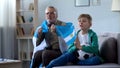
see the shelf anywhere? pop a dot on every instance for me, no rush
(25, 60)
(26, 17)
(8, 60)
(19, 11)
(26, 23)
(25, 37)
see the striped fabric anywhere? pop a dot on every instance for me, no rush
(67, 32)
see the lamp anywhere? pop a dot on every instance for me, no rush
(115, 5)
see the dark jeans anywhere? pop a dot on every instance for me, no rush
(70, 57)
(44, 57)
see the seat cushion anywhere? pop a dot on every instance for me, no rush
(108, 50)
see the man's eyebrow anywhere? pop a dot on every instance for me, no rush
(51, 12)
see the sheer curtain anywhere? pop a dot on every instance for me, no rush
(8, 45)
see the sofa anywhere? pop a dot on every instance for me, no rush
(109, 46)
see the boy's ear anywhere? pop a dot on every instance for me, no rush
(90, 24)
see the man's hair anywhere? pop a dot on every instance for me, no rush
(85, 16)
(53, 8)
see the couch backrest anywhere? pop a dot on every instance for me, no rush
(108, 46)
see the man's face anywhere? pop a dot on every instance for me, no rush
(50, 14)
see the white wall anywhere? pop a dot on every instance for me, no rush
(7, 28)
(104, 20)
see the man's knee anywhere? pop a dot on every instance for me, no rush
(45, 54)
(46, 57)
(38, 55)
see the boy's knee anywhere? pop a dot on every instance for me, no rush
(95, 60)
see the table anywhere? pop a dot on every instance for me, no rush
(7, 63)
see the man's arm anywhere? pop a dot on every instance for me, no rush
(60, 23)
(41, 36)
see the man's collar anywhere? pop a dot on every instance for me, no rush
(52, 22)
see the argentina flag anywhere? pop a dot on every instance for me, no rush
(67, 32)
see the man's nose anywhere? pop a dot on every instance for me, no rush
(81, 23)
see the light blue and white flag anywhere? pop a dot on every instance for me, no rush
(43, 43)
(67, 32)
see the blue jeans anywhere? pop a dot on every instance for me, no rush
(70, 57)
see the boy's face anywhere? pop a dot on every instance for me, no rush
(84, 23)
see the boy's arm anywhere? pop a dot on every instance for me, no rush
(93, 48)
(77, 44)
(74, 46)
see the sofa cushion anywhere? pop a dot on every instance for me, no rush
(106, 65)
(108, 50)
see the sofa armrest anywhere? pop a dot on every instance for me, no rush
(104, 36)
(118, 43)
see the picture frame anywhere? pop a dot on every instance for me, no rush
(82, 3)
(96, 2)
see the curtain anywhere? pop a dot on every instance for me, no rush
(8, 47)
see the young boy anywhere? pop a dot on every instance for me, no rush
(84, 51)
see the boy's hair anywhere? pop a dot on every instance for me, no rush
(86, 16)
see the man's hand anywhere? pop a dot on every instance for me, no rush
(39, 30)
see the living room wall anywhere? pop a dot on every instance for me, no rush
(104, 20)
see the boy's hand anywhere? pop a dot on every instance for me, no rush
(77, 44)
